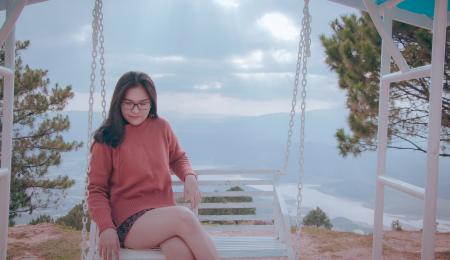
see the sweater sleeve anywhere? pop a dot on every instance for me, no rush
(100, 169)
(178, 160)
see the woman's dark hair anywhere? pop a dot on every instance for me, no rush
(112, 130)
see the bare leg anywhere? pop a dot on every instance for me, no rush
(158, 225)
(176, 249)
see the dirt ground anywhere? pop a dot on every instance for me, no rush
(48, 241)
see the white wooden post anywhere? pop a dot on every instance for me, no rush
(13, 10)
(386, 35)
(434, 127)
(383, 120)
(4, 210)
(7, 125)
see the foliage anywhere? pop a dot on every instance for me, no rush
(42, 219)
(353, 52)
(74, 218)
(37, 139)
(317, 218)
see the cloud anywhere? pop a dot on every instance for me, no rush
(208, 86)
(189, 103)
(257, 59)
(327, 84)
(216, 104)
(253, 60)
(156, 66)
(265, 76)
(283, 56)
(171, 58)
(161, 75)
(142, 58)
(80, 102)
(83, 35)
(228, 4)
(279, 26)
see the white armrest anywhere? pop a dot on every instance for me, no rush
(93, 239)
(283, 217)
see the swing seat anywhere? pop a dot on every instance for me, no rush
(259, 195)
(228, 247)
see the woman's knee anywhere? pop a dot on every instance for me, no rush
(188, 220)
(176, 248)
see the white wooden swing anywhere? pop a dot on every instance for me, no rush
(214, 183)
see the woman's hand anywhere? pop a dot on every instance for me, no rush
(109, 244)
(191, 191)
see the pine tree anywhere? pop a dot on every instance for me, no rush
(353, 52)
(317, 218)
(37, 139)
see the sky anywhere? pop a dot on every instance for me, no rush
(207, 57)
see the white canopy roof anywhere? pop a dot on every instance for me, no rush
(397, 13)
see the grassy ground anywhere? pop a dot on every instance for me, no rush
(332, 241)
(50, 241)
(67, 248)
(60, 243)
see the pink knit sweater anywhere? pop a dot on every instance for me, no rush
(136, 174)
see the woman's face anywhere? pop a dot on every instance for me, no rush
(135, 105)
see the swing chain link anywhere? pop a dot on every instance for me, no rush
(102, 59)
(95, 30)
(293, 103)
(301, 45)
(306, 53)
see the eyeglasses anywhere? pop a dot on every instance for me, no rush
(141, 106)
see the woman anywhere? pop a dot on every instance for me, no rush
(130, 195)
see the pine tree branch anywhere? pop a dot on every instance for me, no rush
(37, 165)
(406, 89)
(410, 148)
(48, 148)
(46, 133)
(410, 142)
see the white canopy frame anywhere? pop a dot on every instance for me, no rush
(7, 37)
(382, 17)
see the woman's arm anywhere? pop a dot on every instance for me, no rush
(179, 163)
(178, 160)
(100, 169)
(191, 191)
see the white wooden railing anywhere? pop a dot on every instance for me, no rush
(4, 210)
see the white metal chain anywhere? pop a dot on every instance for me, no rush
(102, 58)
(306, 53)
(294, 101)
(95, 29)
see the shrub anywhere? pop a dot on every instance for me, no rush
(317, 218)
(74, 218)
(41, 219)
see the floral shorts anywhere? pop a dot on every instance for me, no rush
(125, 227)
